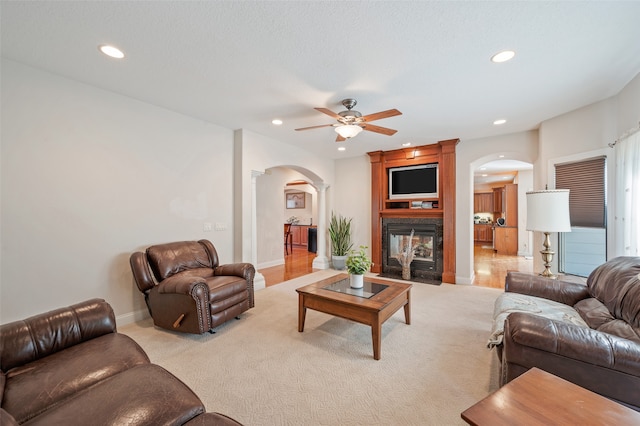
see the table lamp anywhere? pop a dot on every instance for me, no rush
(548, 211)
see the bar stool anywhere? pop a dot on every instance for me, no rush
(288, 238)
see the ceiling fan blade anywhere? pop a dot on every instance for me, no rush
(382, 114)
(340, 139)
(315, 127)
(329, 113)
(378, 129)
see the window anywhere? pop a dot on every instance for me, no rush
(585, 247)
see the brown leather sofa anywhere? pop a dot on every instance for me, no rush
(70, 367)
(602, 354)
(186, 289)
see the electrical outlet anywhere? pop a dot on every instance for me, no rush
(207, 227)
(221, 226)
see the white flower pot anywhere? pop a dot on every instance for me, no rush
(356, 281)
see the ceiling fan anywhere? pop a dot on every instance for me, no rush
(351, 122)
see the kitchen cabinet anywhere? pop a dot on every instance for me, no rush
(506, 240)
(498, 197)
(482, 202)
(511, 204)
(295, 235)
(300, 235)
(505, 203)
(483, 233)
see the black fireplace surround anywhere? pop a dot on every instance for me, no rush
(427, 265)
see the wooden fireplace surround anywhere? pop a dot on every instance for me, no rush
(444, 207)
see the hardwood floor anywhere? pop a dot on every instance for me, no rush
(296, 264)
(490, 268)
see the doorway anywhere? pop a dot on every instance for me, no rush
(490, 266)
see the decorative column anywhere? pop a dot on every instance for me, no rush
(448, 182)
(321, 261)
(258, 280)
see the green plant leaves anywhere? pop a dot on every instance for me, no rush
(340, 233)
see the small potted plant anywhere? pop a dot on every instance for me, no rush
(358, 263)
(340, 233)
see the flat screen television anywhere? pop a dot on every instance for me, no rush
(413, 181)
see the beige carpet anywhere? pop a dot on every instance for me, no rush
(261, 371)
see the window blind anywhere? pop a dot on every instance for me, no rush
(586, 181)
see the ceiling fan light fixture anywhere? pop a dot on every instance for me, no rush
(348, 130)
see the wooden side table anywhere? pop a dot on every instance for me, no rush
(540, 398)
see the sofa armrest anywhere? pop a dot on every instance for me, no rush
(44, 334)
(185, 284)
(573, 341)
(181, 302)
(141, 272)
(244, 270)
(560, 291)
(601, 362)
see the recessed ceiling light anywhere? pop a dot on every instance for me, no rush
(406, 144)
(501, 156)
(499, 122)
(342, 148)
(503, 56)
(484, 175)
(276, 121)
(111, 51)
(483, 168)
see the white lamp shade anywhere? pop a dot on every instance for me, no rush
(548, 211)
(348, 130)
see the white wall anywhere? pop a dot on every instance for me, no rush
(352, 197)
(471, 154)
(628, 106)
(88, 177)
(585, 133)
(525, 238)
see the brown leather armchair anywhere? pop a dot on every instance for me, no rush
(70, 366)
(187, 290)
(599, 349)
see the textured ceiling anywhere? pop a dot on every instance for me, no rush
(240, 64)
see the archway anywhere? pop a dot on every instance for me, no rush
(491, 174)
(309, 208)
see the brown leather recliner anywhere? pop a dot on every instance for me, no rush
(598, 350)
(187, 290)
(70, 366)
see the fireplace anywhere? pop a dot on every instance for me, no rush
(427, 237)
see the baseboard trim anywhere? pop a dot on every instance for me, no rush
(465, 280)
(132, 317)
(271, 263)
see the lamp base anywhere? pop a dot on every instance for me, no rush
(547, 257)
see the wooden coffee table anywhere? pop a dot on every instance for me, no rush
(540, 398)
(372, 306)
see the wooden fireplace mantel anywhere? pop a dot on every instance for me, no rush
(443, 153)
